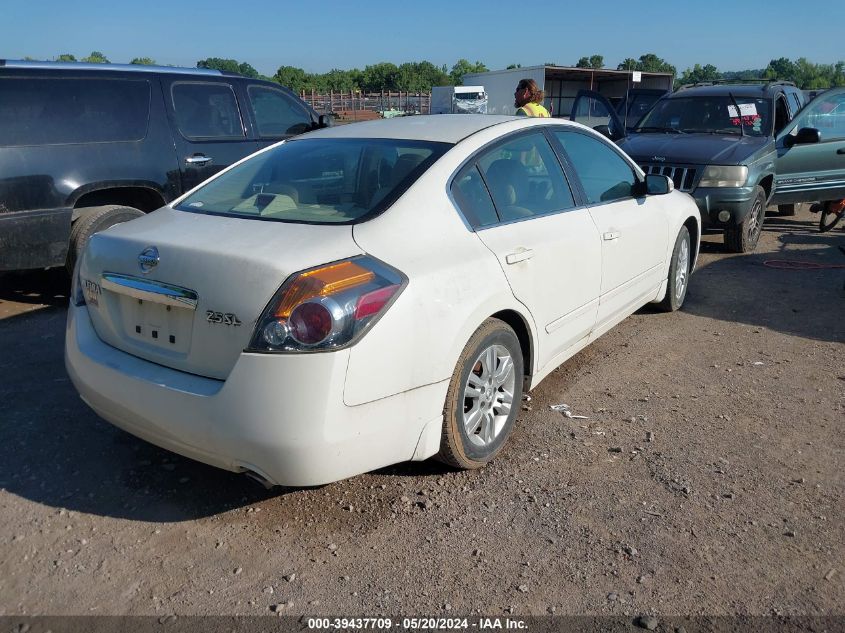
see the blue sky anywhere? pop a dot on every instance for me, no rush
(326, 34)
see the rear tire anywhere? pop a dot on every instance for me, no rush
(91, 221)
(743, 237)
(680, 269)
(484, 396)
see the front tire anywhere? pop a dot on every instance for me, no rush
(483, 398)
(743, 237)
(93, 220)
(680, 269)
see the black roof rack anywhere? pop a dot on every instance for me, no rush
(739, 82)
(139, 68)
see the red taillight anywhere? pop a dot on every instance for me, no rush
(374, 301)
(310, 323)
(328, 307)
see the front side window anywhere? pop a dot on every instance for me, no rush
(207, 111)
(604, 174)
(317, 181)
(276, 114)
(709, 115)
(525, 179)
(826, 113)
(50, 111)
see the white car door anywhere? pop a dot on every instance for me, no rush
(634, 230)
(548, 247)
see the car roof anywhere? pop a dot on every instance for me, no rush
(89, 66)
(723, 90)
(441, 128)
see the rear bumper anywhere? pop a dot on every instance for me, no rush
(711, 202)
(34, 239)
(281, 416)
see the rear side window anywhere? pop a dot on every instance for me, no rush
(277, 114)
(525, 178)
(207, 111)
(604, 174)
(472, 198)
(52, 111)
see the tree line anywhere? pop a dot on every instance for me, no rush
(421, 76)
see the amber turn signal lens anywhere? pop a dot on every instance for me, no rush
(322, 282)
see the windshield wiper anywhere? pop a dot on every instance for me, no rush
(715, 132)
(738, 114)
(665, 130)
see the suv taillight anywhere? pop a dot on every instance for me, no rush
(328, 307)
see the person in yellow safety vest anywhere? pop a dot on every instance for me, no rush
(528, 99)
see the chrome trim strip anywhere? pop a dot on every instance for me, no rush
(147, 290)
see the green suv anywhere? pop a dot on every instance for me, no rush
(737, 148)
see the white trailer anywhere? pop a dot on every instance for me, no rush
(458, 100)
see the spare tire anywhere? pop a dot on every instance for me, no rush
(93, 220)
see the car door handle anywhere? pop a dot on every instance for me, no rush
(841, 150)
(611, 235)
(520, 255)
(198, 159)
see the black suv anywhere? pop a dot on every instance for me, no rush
(85, 146)
(737, 148)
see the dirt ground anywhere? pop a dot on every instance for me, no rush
(708, 479)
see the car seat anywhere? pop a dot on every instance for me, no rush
(509, 186)
(403, 167)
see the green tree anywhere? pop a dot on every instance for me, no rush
(143, 61)
(294, 78)
(512, 66)
(697, 73)
(420, 77)
(96, 57)
(593, 61)
(341, 80)
(742, 74)
(228, 65)
(463, 67)
(648, 63)
(782, 68)
(654, 64)
(381, 76)
(66, 57)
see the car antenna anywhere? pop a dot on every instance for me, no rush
(738, 114)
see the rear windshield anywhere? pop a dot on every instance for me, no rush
(709, 114)
(51, 111)
(317, 181)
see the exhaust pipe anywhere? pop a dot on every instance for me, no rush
(258, 478)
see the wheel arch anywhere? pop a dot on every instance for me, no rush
(526, 343)
(143, 197)
(767, 182)
(695, 239)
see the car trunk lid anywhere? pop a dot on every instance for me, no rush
(185, 290)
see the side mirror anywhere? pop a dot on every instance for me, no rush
(658, 185)
(805, 136)
(326, 120)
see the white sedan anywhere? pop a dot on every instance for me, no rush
(372, 293)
